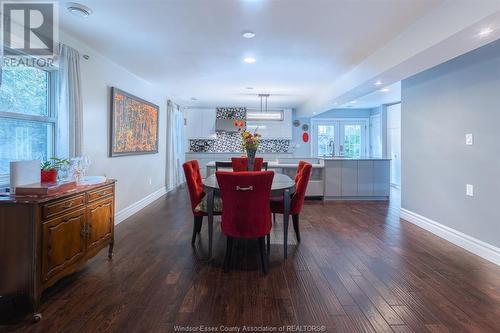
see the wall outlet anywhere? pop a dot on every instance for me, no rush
(469, 190)
(469, 140)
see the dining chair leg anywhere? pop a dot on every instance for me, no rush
(210, 237)
(263, 256)
(210, 211)
(295, 219)
(268, 238)
(196, 227)
(274, 218)
(229, 250)
(286, 215)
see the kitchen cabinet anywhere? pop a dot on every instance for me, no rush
(349, 178)
(357, 178)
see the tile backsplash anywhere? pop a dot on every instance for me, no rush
(225, 141)
(230, 142)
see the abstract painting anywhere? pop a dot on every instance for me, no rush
(134, 125)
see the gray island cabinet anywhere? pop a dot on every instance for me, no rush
(357, 178)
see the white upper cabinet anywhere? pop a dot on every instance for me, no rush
(273, 128)
(200, 123)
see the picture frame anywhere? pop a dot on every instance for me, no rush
(134, 125)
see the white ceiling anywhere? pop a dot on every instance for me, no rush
(383, 95)
(194, 48)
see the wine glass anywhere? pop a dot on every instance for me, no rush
(85, 164)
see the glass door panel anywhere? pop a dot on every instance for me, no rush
(339, 138)
(326, 140)
(351, 140)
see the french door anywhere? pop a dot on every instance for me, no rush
(339, 137)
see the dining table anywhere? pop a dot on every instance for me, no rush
(282, 186)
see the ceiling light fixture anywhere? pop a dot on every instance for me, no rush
(249, 60)
(262, 96)
(353, 102)
(385, 89)
(485, 32)
(78, 9)
(248, 34)
(378, 83)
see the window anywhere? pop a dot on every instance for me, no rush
(332, 137)
(326, 140)
(27, 116)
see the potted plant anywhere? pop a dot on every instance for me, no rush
(250, 143)
(51, 167)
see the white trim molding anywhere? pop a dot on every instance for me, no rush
(471, 244)
(139, 205)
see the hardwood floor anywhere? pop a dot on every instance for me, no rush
(357, 269)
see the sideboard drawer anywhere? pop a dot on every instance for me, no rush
(100, 193)
(60, 207)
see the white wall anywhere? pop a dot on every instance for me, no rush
(439, 107)
(132, 172)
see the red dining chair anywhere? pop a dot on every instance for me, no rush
(301, 181)
(241, 164)
(195, 188)
(245, 196)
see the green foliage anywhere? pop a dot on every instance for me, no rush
(24, 90)
(55, 163)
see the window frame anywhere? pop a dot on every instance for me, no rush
(338, 124)
(50, 118)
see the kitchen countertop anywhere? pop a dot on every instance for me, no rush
(233, 152)
(345, 158)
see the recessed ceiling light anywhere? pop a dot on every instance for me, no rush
(249, 60)
(385, 89)
(248, 34)
(378, 83)
(353, 102)
(485, 32)
(314, 112)
(78, 9)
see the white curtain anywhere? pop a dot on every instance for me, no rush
(175, 156)
(70, 111)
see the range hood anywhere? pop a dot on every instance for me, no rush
(229, 125)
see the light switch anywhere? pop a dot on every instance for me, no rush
(469, 140)
(469, 190)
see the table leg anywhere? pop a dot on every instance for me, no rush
(286, 213)
(210, 212)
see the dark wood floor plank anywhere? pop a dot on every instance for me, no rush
(359, 268)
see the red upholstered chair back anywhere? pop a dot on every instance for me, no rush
(241, 164)
(245, 196)
(194, 183)
(301, 181)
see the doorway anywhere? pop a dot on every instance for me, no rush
(394, 142)
(333, 137)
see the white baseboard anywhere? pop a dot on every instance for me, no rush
(471, 244)
(138, 205)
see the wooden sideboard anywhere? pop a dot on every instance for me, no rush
(44, 238)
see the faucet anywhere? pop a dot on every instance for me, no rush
(331, 147)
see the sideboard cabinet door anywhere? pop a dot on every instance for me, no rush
(63, 243)
(100, 223)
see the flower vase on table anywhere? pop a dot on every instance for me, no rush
(251, 158)
(250, 143)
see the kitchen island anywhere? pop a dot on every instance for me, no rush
(336, 178)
